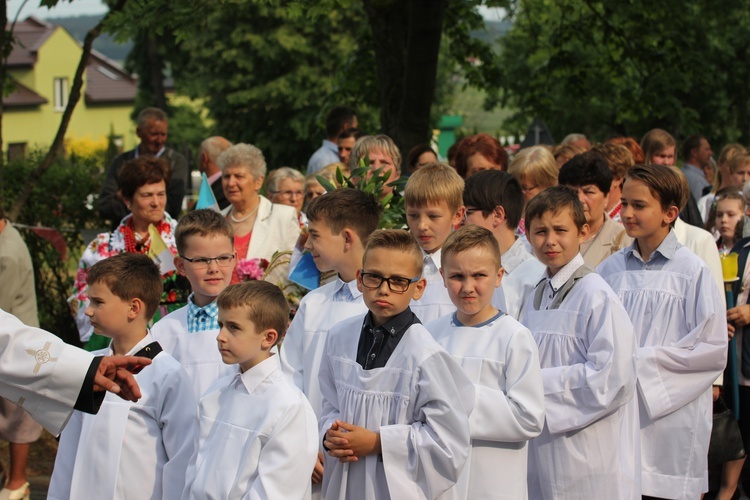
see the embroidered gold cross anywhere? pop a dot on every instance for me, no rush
(41, 356)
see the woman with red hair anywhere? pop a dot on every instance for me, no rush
(480, 152)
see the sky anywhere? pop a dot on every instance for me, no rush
(64, 8)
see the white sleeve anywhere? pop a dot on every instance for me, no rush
(65, 460)
(425, 458)
(671, 376)
(39, 372)
(330, 410)
(178, 426)
(516, 414)
(577, 395)
(291, 355)
(287, 459)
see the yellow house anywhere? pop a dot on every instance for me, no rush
(42, 66)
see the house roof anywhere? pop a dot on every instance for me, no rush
(106, 81)
(23, 96)
(31, 34)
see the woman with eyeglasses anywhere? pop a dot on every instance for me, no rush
(286, 186)
(142, 184)
(535, 170)
(261, 228)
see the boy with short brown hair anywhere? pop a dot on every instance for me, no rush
(258, 435)
(395, 404)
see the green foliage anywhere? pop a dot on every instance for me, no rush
(605, 67)
(394, 214)
(186, 128)
(58, 201)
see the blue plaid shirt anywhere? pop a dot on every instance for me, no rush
(202, 319)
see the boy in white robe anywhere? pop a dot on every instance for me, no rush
(339, 224)
(206, 256)
(258, 434)
(500, 356)
(129, 450)
(494, 201)
(433, 198)
(395, 404)
(676, 308)
(589, 447)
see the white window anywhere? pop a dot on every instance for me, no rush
(61, 93)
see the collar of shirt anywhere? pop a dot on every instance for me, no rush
(157, 155)
(332, 146)
(140, 345)
(564, 273)
(255, 376)
(201, 319)
(494, 318)
(346, 291)
(666, 249)
(215, 177)
(431, 265)
(393, 326)
(514, 256)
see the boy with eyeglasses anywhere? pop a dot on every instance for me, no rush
(395, 418)
(206, 256)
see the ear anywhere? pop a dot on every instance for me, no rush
(459, 216)
(136, 308)
(499, 277)
(419, 287)
(259, 182)
(671, 214)
(349, 238)
(583, 233)
(442, 277)
(269, 339)
(179, 263)
(498, 216)
(360, 286)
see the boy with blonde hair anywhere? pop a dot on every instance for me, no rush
(589, 447)
(340, 222)
(129, 450)
(434, 206)
(258, 435)
(395, 404)
(500, 357)
(681, 330)
(206, 256)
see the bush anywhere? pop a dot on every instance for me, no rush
(62, 200)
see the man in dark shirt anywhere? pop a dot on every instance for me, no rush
(152, 131)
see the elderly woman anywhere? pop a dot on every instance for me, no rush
(382, 153)
(261, 228)
(143, 187)
(286, 186)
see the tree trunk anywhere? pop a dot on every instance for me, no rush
(73, 98)
(406, 36)
(155, 72)
(5, 47)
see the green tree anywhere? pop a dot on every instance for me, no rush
(605, 67)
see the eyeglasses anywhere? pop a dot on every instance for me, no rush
(469, 212)
(395, 283)
(205, 262)
(527, 189)
(288, 194)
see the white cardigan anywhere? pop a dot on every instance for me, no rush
(276, 228)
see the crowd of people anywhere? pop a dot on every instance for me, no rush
(550, 324)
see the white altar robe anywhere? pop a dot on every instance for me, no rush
(680, 322)
(257, 438)
(589, 447)
(509, 297)
(435, 301)
(501, 359)
(302, 350)
(419, 402)
(130, 450)
(40, 372)
(197, 352)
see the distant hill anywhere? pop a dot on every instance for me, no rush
(78, 26)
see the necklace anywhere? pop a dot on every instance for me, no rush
(244, 218)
